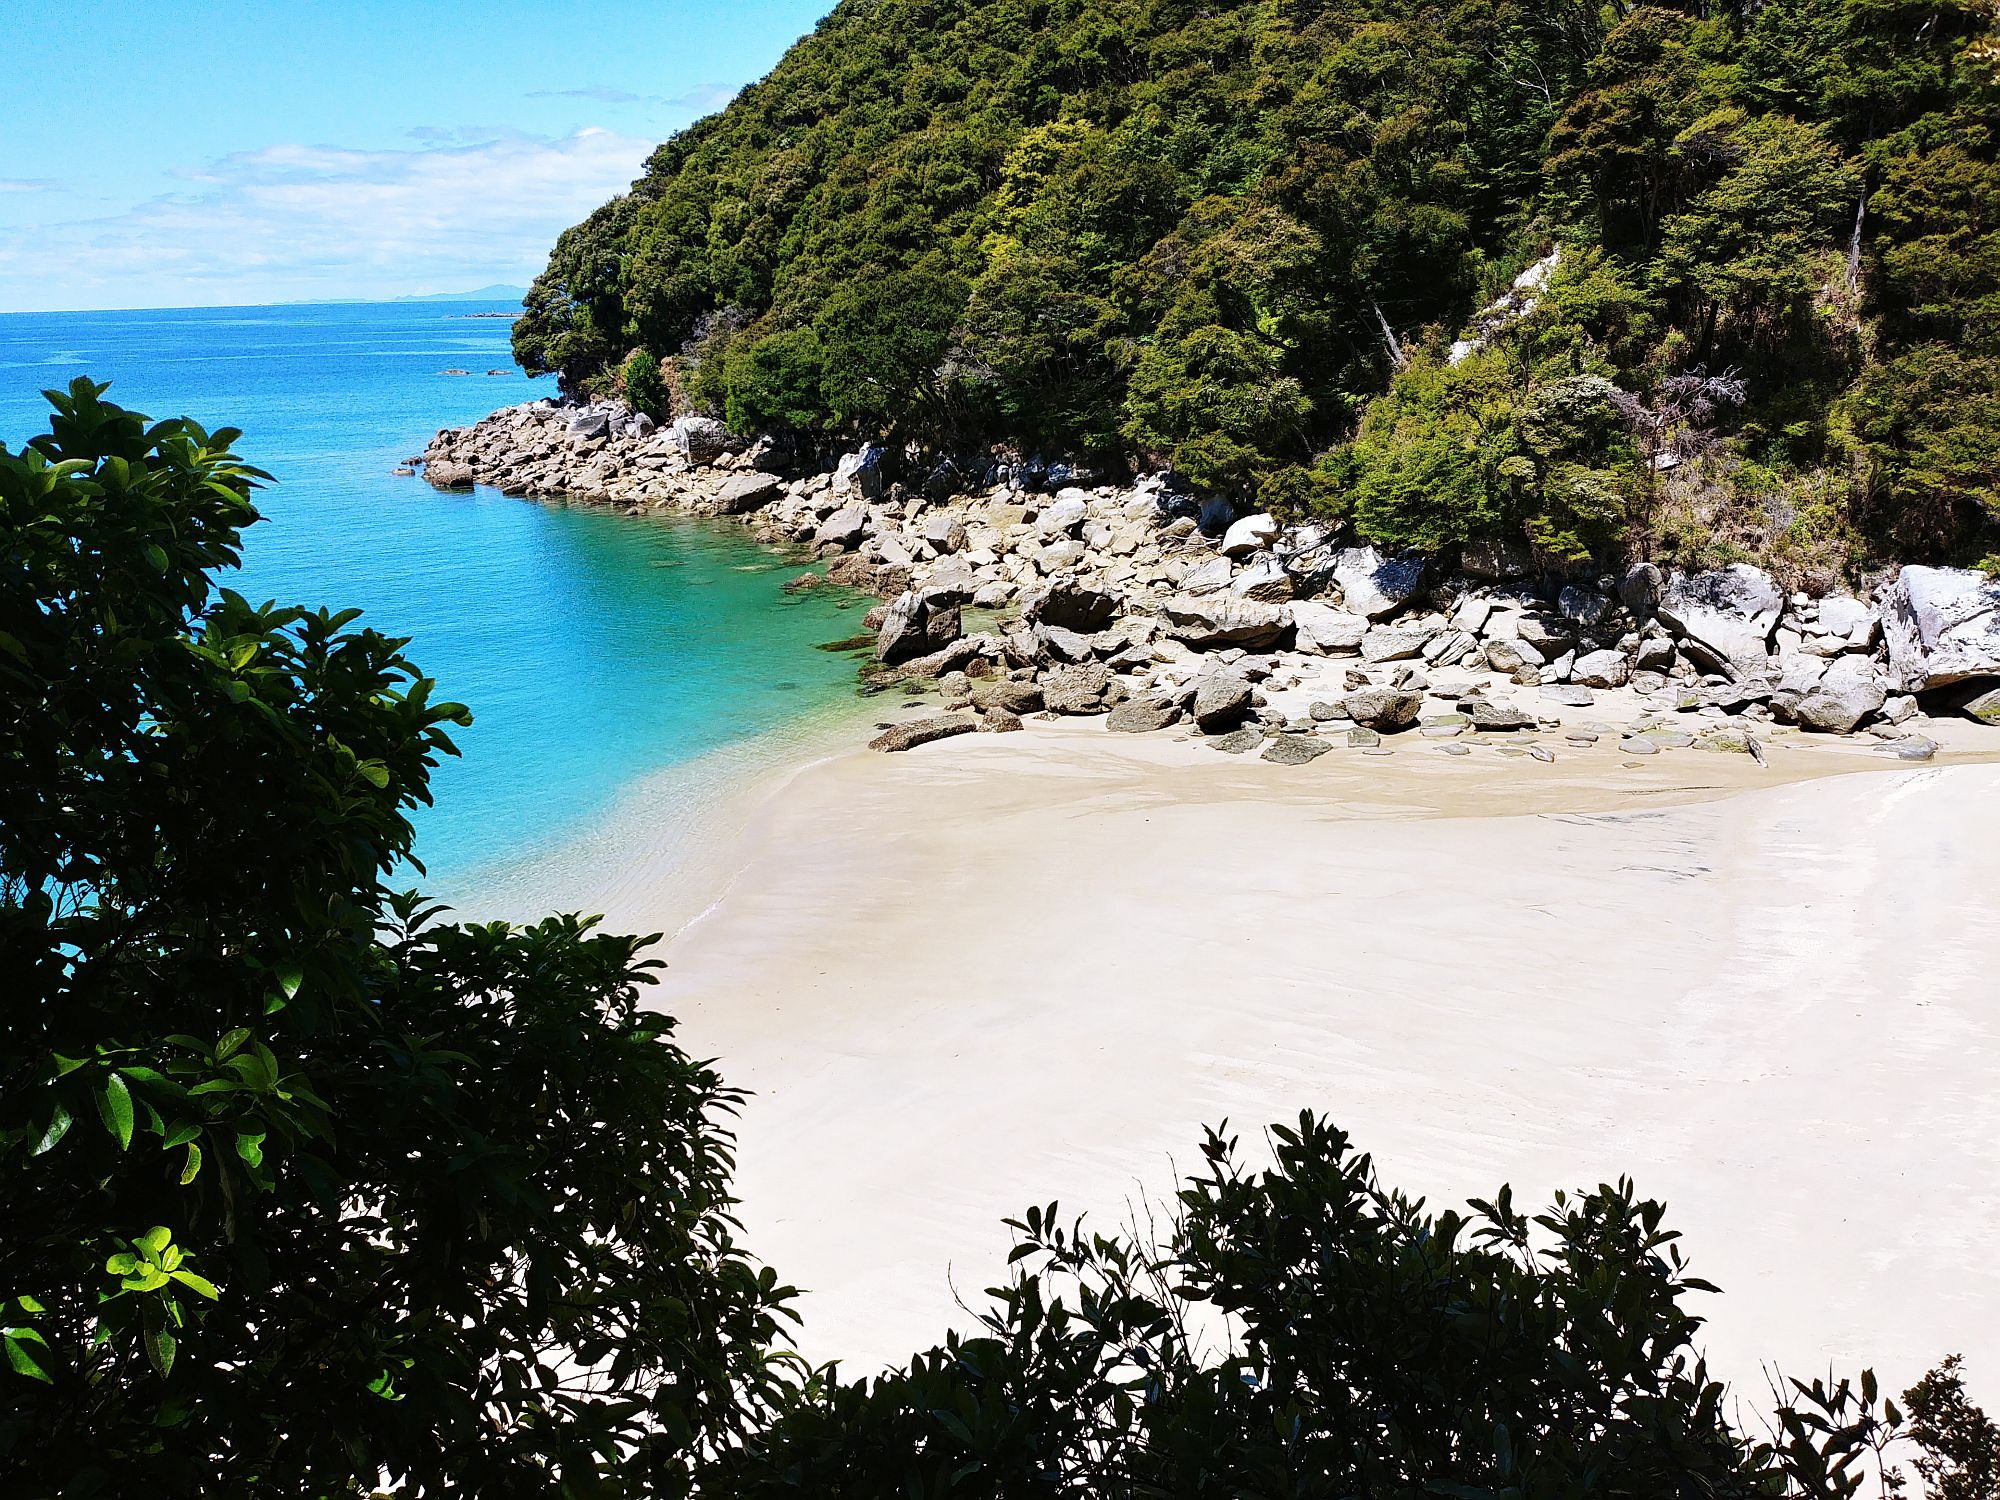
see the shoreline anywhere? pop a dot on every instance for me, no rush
(1014, 968)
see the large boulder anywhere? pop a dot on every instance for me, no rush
(1602, 669)
(1077, 690)
(843, 528)
(591, 422)
(1495, 561)
(1724, 616)
(1265, 580)
(1223, 620)
(1399, 644)
(1143, 715)
(745, 492)
(1251, 534)
(1073, 605)
(863, 472)
(449, 474)
(1222, 700)
(1327, 631)
(1943, 626)
(701, 440)
(1007, 693)
(1062, 515)
(1383, 709)
(1847, 691)
(915, 626)
(1376, 586)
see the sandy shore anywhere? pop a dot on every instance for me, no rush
(1007, 969)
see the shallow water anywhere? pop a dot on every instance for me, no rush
(598, 652)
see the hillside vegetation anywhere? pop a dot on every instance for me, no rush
(1242, 237)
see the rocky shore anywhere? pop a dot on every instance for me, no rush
(1026, 589)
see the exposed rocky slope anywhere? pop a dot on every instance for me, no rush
(1020, 593)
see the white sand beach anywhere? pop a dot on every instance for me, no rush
(1005, 969)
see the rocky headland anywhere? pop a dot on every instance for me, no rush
(1019, 588)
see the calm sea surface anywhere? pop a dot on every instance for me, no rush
(596, 651)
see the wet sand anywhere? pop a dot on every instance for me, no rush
(1005, 969)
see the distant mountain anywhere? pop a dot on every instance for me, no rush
(495, 293)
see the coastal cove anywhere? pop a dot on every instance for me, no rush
(600, 655)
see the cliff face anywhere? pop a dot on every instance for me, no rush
(1241, 238)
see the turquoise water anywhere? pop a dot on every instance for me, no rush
(595, 650)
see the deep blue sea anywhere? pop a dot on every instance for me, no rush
(595, 650)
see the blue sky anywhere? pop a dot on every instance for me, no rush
(199, 154)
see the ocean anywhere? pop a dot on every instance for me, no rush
(600, 654)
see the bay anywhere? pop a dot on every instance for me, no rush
(597, 651)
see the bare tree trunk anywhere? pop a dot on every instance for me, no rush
(1397, 359)
(1854, 248)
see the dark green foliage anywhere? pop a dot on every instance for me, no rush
(645, 387)
(301, 1184)
(1145, 230)
(1304, 1331)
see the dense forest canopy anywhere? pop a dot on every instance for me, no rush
(1241, 236)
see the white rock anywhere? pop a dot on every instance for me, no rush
(1472, 613)
(1251, 534)
(1376, 586)
(1210, 576)
(1327, 631)
(1943, 626)
(1726, 616)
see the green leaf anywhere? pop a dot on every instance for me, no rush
(156, 1239)
(160, 1350)
(157, 556)
(18, 1357)
(200, 1284)
(290, 977)
(229, 1044)
(59, 1124)
(193, 1167)
(124, 1263)
(114, 1106)
(250, 1146)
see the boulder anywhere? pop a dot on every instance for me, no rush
(1000, 721)
(915, 626)
(1487, 715)
(1640, 589)
(1844, 616)
(1237, 741)
(1985, 708)
(1210, 576)
(448, 474)
(863, 472)
(1222, 620)
(1383, 708)
(1724, 616)
(922, 732)
(1376, 586)
(844, 528)
(591, 422)
(1062, 515)
(1943, 626)
(1142, 716)
(701, 440)
(1065, 645)
(1569, 696)
(1509, 656)
(1848, 691)
(1584, 606)
(1073, 605)
(1380, 646)
(1326, 630)
(1251, 534)
(1221, 702)
(1266, 581)
(745, 492)
(1601, 669)
(1006, 693)
(945, 532)
(1294, 749)
(1077, 690)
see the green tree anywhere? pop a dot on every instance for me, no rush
(645, 387)
(304, 1186)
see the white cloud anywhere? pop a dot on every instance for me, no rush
(26, 184)
(290, 222)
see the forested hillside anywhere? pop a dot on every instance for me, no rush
(1243, 237)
